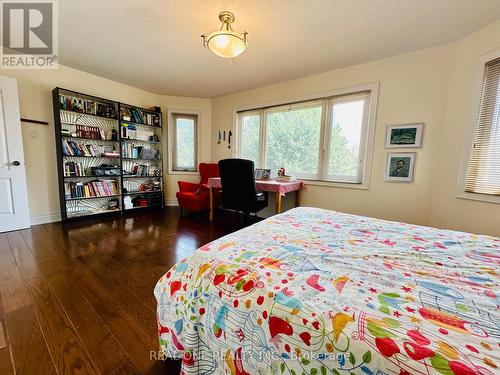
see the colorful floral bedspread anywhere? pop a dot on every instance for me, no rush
(316, 292)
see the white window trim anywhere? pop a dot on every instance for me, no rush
(170, 145)
(469, 134)
(370, 130)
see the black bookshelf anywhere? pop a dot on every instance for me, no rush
(140, 142)
(89, 133)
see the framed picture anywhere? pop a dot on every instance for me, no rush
(404, 136)
(262, 174)
(400, 166)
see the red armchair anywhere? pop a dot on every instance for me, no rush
(196, 197)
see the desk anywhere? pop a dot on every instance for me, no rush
(277, 187)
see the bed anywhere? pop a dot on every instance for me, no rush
(313, 291)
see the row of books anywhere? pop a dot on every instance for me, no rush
(74, 169)
(143, 170)
(71, 148)
(90, 132)
(97, 188)
(131, 150)
(138, 116)
(130, 131)
(91, 107)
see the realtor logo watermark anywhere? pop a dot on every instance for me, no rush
(29, 34)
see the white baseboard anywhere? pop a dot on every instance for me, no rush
(171, 202)
(50, 217)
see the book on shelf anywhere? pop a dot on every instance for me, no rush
(134, 151)
(143, 170)
(89, 132)
(130, 131)
(112, 155)
(96, 188)
(74, 169)
(72, 148)
(140, 117)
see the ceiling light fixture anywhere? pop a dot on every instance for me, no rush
(226, 42)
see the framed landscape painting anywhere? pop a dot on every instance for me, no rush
(400, 167)
(404, 136)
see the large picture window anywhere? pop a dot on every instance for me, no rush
(324, 139)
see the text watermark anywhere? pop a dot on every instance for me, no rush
(29, 34)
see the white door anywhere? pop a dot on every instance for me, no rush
(13, 195)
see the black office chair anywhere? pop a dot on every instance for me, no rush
(238, 186)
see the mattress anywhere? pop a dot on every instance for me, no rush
(313, 291)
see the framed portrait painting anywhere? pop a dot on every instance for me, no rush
(404, 136)
(400, 167)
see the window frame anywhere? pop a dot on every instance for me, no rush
(282, 108)
(363, 138)
(327, 99)
(476, 94)
(173, 115)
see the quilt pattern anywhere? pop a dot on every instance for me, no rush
(313, 291)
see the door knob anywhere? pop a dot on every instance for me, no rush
(16, 163)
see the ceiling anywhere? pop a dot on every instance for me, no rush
(155, 44)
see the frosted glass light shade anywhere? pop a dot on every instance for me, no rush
(226, 43)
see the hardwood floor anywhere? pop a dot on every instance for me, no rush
(78, 298)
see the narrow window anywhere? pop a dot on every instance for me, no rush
(184, 142)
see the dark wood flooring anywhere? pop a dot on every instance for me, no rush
(78, 297)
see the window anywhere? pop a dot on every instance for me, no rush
(250, 136)
(324, 139)
(184, 142)
(292, 139)
(483, 174)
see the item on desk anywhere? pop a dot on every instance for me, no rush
(262, 174)
(224, 136)
(285, 178)
(281, 172)
(220, 138)
(229, 139)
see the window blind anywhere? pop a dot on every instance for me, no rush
(483, 175)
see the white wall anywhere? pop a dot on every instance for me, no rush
(35, 100)
(446, 209)
(204, 108)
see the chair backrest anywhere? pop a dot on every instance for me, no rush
(208, 170)
(238, 184)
